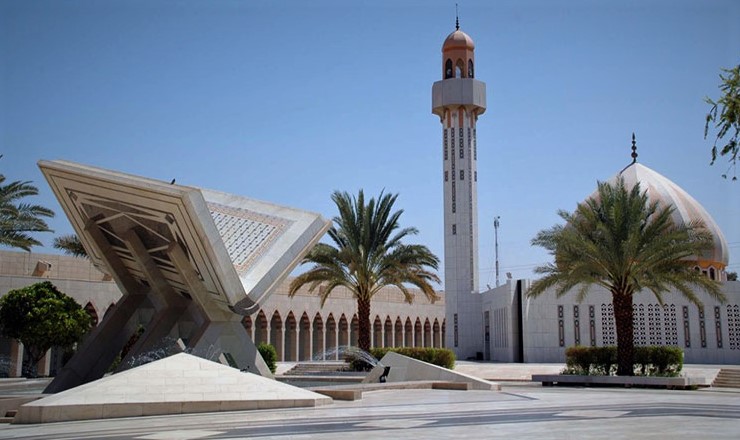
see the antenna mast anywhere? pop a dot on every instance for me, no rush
(495, 233)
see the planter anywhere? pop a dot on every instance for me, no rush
(681, 383)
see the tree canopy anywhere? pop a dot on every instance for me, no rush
(18, 219)
(41, 317)
(368, 254)
(71, 245)
(724, 115)
(621, 241)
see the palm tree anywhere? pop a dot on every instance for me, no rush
(70, 244)
(18, 220)
(366, 256)
(619, 240)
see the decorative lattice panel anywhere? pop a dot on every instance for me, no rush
(608, 334)
(733, 326)
(246, 234)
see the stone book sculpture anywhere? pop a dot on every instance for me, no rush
(190, 264)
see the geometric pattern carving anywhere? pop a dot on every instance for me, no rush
(246, 234)
(671, 325)
(733, 326)
(608, 333)
(640, 335)
(655, 324)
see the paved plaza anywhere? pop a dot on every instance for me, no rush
(521, 410)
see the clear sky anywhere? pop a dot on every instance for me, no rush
(289, 101)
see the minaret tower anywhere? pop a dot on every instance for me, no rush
(458, 99)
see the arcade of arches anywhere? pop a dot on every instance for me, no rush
(300, 329)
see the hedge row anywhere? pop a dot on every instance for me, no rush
(648, 361)
(442, 357)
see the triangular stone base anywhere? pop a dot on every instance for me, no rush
(179, 384)
(405, 369)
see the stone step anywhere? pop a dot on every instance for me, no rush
(727, 378)
(316, 368)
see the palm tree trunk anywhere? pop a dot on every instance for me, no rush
(363, 316)
(625, 333)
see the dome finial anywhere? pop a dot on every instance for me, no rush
(457, 19)
(634, 149)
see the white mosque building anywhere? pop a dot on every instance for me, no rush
(500, 324)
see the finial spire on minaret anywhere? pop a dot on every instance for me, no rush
(457, 19)
(634, 149)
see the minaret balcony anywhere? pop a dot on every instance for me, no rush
(467, 92)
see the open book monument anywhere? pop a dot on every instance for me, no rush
(190, 263)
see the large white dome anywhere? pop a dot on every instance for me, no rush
(687, 209)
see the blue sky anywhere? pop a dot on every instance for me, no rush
(289, 101)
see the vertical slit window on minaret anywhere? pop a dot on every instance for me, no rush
(476, 176)
(445, 142)
(461, 144)
(445, 176)
(453, 193)
(462, 174)
(454, 229)
(475, 146)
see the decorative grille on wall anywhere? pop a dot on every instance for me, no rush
(655, 325)
(702, 328)
(670, 321)
(686, 327)
(607, 325)
(640, 334)
(445, 143)
(576, 325)
(592, 325)
(733, 326)
(718, 325)
(561, 329)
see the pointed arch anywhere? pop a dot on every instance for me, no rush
(291, 338)
(318, 338)
(90, 309)
(436, 334)
(248, 326)
(304, 349)
(418, 333)
(377, 340)
(398, 334)
(388, 332)
(354, 333)
(459, 68)
(276, 335)
(427, 333)
(343, 331)
(331, 337)
(471, 72)
(260, 328)
(449, 71)
(408, 330)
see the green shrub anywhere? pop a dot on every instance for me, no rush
(442, 357)
(578, 359)
(647, 361)
(269, 354)
(604, 360)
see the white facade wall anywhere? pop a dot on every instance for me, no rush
(551, 324)
(298, 327)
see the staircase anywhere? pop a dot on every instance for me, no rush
(317, 368)
(727, 378)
